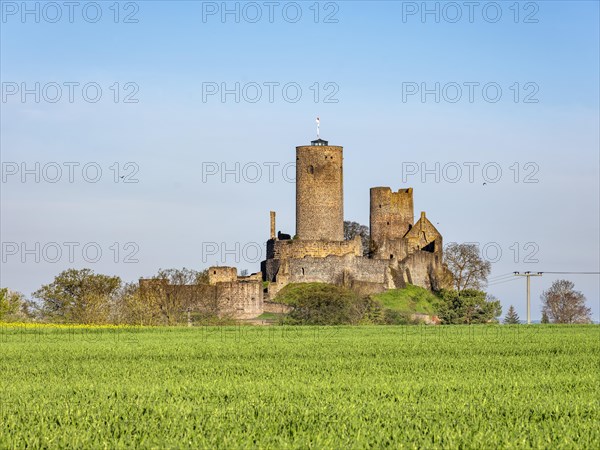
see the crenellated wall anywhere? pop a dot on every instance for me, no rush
(295, 248)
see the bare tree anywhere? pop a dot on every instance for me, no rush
(563, 304)
(352, 229)
(468, 269)
(175, 293)
(179, 296)
(137, 305)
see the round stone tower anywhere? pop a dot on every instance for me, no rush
(319, 192)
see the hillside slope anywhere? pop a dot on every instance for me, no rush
(412, 299)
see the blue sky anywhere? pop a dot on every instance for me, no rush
(369, 57)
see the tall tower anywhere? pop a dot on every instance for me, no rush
(392, 214)
(319, 192)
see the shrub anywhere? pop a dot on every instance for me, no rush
(323, 304)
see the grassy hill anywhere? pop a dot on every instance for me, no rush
(412, 299)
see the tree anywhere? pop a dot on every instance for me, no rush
(468, 307)
(174, 294)
(511, 318)
(13, 305)
(545, 317)
(468, 269)
(563, 304)
(78, 296)
(353, 229)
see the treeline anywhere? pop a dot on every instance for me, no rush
(183, 296)
(84, 297)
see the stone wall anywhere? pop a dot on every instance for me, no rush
(295, 248)
(219, 274)
(226, 294)
(393, 249)
(278, 251)
(278, 308)
(364, 275)
(240, 299)
(423, 269)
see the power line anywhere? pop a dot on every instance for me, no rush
(502, 276)
(495, 283)
(574, 273)
(528, 275)
(501, 279)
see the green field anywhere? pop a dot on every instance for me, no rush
(300, 387)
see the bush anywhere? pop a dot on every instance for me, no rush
(393, 317)
(323, 304)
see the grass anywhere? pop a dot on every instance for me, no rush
(270, 316)
(412, 299)
(300, 387)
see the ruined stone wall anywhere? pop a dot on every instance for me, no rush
(269, 268)
(392, 249)
(319, 193)
(360, 273)
(424, 236)
(226, 294)
(391, 216)
(240, 299)
(219, 274)
(423, 269)
(317, 249)
(278, 308)
(151, 283)
(252, 277)
(278, 251)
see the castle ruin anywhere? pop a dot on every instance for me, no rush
(400, 251)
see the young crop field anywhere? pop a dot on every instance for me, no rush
(300, 387)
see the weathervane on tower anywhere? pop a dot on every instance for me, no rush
(319, 141)
(318, 131)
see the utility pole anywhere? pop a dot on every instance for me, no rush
(528, 275)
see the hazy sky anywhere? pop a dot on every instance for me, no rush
(490, 111)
